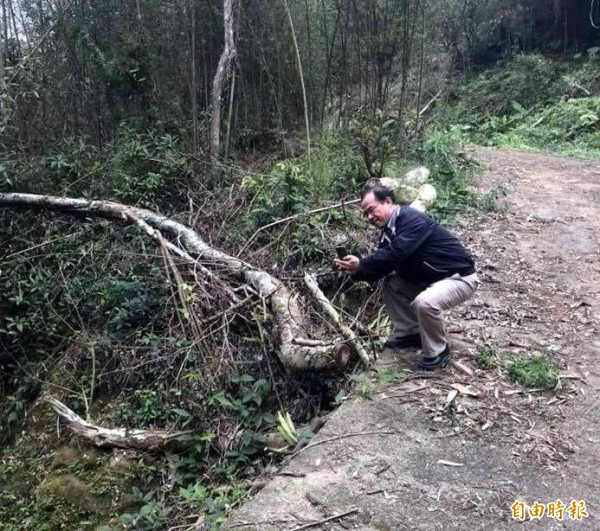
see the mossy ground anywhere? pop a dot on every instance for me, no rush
(49, 483)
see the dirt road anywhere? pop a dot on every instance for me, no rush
(457, 451)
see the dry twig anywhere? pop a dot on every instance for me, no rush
(328, 519)
(344, 436)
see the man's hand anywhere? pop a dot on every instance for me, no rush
(349, 264)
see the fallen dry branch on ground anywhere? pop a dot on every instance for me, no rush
(147, 440)
(461, 367)
(325, 303)
(344, 436)
(289, 320)
(325, 520)
(410, 392)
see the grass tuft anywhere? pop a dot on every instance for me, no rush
(533, 372)
(486, 358)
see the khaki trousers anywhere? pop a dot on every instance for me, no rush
(418, 308)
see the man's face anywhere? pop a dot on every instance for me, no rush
(376, 212)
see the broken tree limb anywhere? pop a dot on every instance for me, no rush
(148, 440)
(156, 235)
(338, 437)
(283, 304)
(325, 303)
(309, 342)
(429, 103)
(325, 520)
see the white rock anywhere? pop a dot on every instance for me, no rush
(425, 197)
(416, 177)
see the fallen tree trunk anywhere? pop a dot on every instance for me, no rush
(147, 440)
(295, 351)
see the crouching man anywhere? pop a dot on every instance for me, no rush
(426, 270)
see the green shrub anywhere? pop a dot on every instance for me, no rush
(67, 163)
(133, 301)
(336, 170)
(442, 154)
(143, 167)
(284, 191)
(294, 186)
(153, 514)
(569, 127)
(537, 371)
(528, 80)
(145, 408)
(584, 80)
(377, 139)
(572, 118)
(530, 103)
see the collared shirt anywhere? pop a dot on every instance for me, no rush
(389, 231)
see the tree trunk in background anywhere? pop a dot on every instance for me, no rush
(3, 42)
(328, 96)
(14, 27)
(557, 10)
(421, 61)
(406, 51)
(223, 71)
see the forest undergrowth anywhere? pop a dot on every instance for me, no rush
(530, 103)
(94, 314)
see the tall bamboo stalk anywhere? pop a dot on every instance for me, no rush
(194, 87)
(300, 71)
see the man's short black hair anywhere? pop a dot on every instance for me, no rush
(379, 192)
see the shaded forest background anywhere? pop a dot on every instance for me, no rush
(84, 68)
(124, 100)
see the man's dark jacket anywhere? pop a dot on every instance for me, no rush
(418, 249)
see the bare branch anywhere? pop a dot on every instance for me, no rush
(148, 440)
(325, 303)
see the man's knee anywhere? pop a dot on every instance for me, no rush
(424, 305)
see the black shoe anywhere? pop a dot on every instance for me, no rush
(441, 360)
(413, 340)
